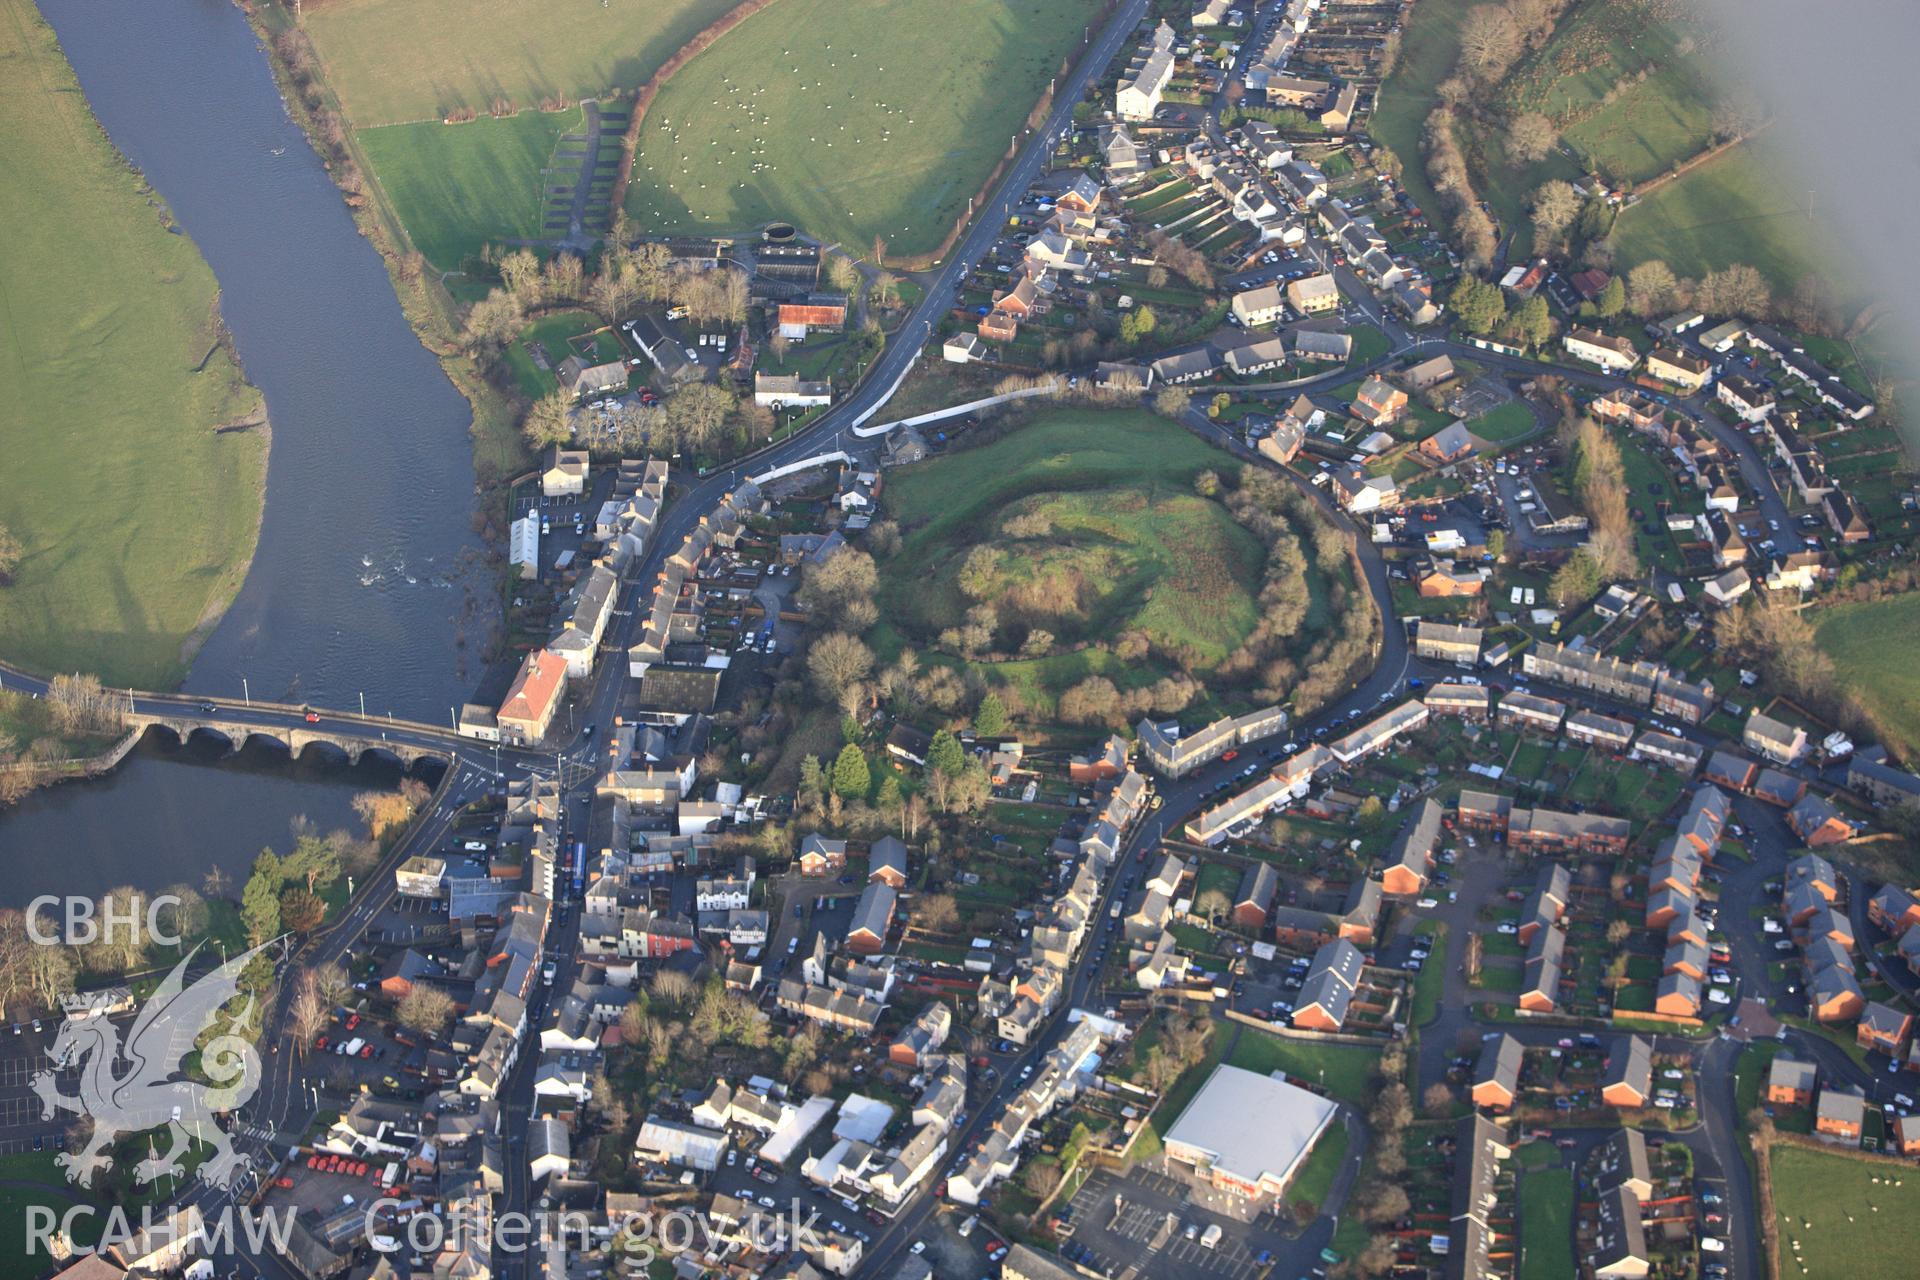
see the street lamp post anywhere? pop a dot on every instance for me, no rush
(246, 695)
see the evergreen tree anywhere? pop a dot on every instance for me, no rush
(990, 721)
(851, 776)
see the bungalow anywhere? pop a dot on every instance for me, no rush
(1257, 357)
(1113, 375)
(1449, 444)
(1613, 354)
(1312, 295)
(1628, 1081)
(1540, 985)
(1689, 373)
(1379, 403)
(1318, 344)
(1190, 365)
(1818, 823)
(1447, 642)
(909, 744)
(1883, 1029)
(1496, 1077)
(778, 392)
(1839, 1114)
(1264, 305)
(1791, 1082)
(1428, 373)
(584, 381)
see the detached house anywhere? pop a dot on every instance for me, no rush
(1614, 354)
(1379, 403)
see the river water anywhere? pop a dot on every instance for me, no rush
(365, 561)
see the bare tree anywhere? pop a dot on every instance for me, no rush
(549, 421)
(1489, 42)
(1530, 138)
(425, 1008)
(1555, 205)
(307, 1015)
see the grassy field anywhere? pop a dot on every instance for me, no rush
(1824, 1190)
(1128, 545)
(1322, 1164)
(137, 519)
(1427, 54)
(566, 333)
(458, 187)
(1503, 423)
(1342, 1070)
(1546, 1225)
(394, 61)
(882, 120)
(1867, 643)
(1731, 209)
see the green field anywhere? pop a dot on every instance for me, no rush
(1427, 53)
(458, 187)
(395, 61)
(563, 334)
(1342, 1070)
(1546, 1224)
(137, 519)
(1126, 543)
(1732, 209)
(1322, 1165)
(1839, 1197)
(1870, 646)
(1504, 423)
(881, 120)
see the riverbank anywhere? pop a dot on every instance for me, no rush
(138, 515)
(429, 306)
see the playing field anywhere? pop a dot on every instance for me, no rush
(850, 118)
(405, 60)
(458, 187)
(137, 519)
(1831, 1206)
(1871, 646)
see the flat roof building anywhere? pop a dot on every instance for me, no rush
(1248, 1133)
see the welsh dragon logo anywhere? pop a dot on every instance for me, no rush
(152, 1093)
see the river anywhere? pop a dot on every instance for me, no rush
(365, 564)
(357, 584)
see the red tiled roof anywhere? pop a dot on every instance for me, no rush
(542, 676)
